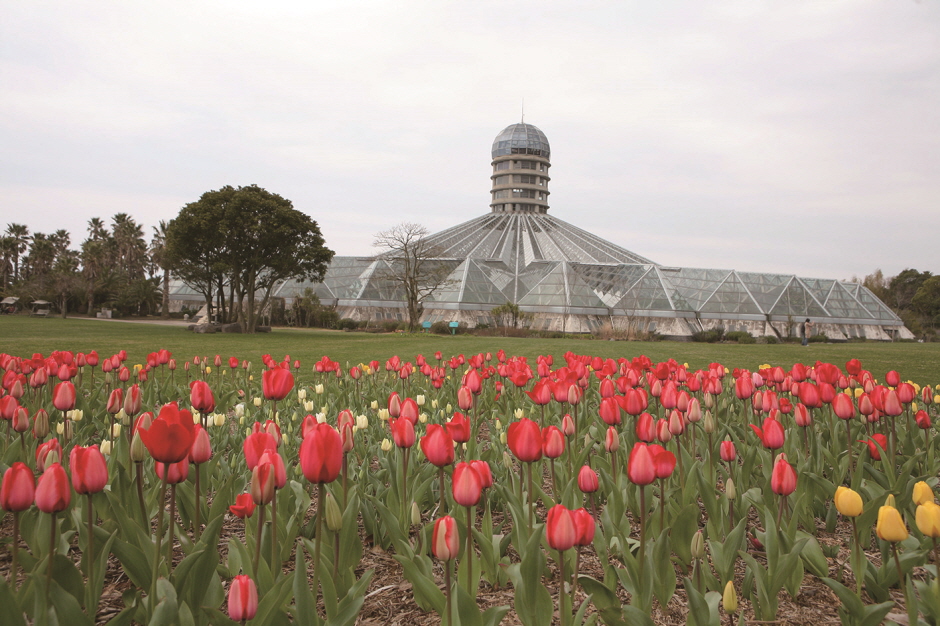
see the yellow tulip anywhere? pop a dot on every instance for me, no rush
(922, 493)
(848, 502)
(890, 526)
(928, 519)
(730, 599)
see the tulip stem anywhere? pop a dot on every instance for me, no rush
(856, 570)
(448, 620)
(52, 534)
(275, 562)
(901, 579)
(258, 538)
(440, 481)
(140, 491)
(848, 446)
(91, 539)
(642, 528)
(15, 548)
(318, 542)
(662, 504)
(171, 524)
(158, 538)
(562, 616)
(197, 530)
(529, 498)
(469, 555)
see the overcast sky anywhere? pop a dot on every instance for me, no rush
(791, 137)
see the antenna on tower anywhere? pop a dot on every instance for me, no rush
(523, 110)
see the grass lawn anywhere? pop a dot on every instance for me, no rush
(22, 336)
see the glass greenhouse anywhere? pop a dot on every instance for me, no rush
(570, 280)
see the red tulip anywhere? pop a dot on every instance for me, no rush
(445, 542)
(321, 454)
(280, 472)
(853, 367)
(459, 428)
(438, 446)
(171, 435)
(18, 488)
(200, 396)
(893, 378)
(645, 428)
(610, 411)
(403, 432)
(843, 406)
(560, 531)
(409, 410)
(525, 440)
(553, 442)
(201, 450)
(464, 399)
(664, 461)
(262, 482)
(802, 416)
(48, 453)
(276, 383)
(922, 419)
(466, 485)
(640, 468)
(20, 422)
(63, 396)
(587, 480)
(584, 527)
(611, 440)
(567, 425)
(394, 404)
(893, 406)
(876, 445)
(728, 453)
(8, 406)
(115, 401)
(244, 506)
(53, 493)
(133, 400)
(89, 469)
(242, 599)
(771, 435)
(233, 362)
(783, 478)
(255, 445)
(175, 472)
(483, 471)
(541, 393)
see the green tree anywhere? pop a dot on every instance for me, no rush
(246, 240)
(20, 235)
(903, 287)
(158, 258)
(509, 315)
(927, 301)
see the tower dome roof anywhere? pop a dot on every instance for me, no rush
(521, 139)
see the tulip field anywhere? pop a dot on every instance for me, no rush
(198, 489)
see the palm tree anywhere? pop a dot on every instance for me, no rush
(158, 256)
(7, 252)
(131, 247)
(20, 235)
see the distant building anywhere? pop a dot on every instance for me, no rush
(570, 280)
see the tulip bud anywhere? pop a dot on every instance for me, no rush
(138, 450)
(301, 394)
(698, 545)
(928, 519)
(731, 492)
(709, 424)
(890, 526)
(415, 514)
(41, 424)
(386, 445)
(105, 447)
(257, 402)
(730, 599)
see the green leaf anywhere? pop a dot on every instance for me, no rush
(305, 604)
(272, 603)
(10, 612)
(467, 610)
(494, 615)
(427, 595)
(635, 617)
